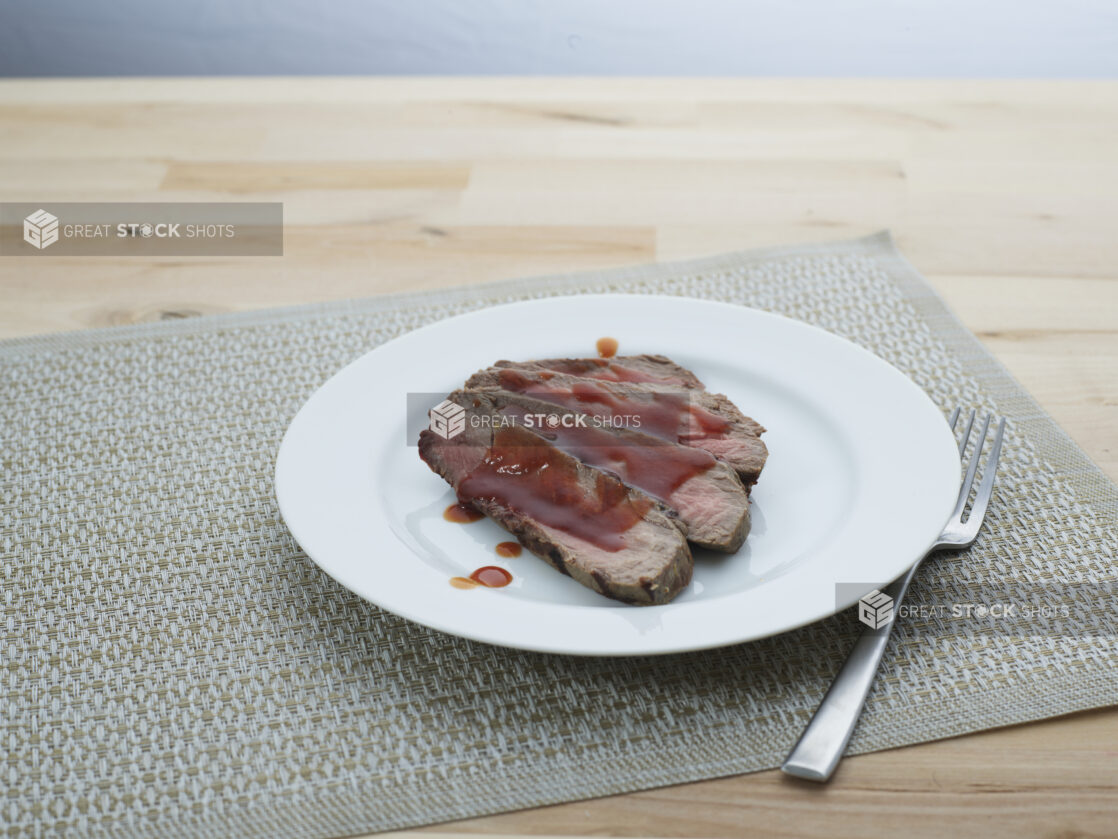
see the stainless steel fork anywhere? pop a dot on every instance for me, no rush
(823, 742)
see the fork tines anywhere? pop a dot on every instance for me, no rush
(963, 530)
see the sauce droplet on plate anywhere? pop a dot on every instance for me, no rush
(462, 513)
(509, 549)
(489, 576)
(492, 576)
(607, 347)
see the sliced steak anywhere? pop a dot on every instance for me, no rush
(585, 522)
(704, 492)
(651, 369)
(696, 418)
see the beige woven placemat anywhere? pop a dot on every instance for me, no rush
(171, 663)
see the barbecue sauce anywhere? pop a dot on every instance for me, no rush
(667, 415)
(605, 370)
(607, 347)
(508, 550)
(617, 373)
(490, 576)
(653, 467)
(462, 514)
(522, 473)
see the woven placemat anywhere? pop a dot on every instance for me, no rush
(171, 663)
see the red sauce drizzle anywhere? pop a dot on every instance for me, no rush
(462, 514)
(670, 416)
(607, 347)
(604, 370)
(657, 469)
(617, 373)
(508, 549)
(522, 473)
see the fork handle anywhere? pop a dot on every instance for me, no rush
(820, 747)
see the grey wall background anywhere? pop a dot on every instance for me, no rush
(997, 38)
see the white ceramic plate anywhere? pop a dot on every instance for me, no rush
(862, 475)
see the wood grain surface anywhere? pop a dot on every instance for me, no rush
(1004, 194)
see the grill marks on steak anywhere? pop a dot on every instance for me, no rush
(705, 493)
(691, 417)
(583, 521)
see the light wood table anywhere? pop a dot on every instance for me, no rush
(1002, 193)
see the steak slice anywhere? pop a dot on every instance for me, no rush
(613, 539)
(651, 369)
(705, 493)
(696, 418)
